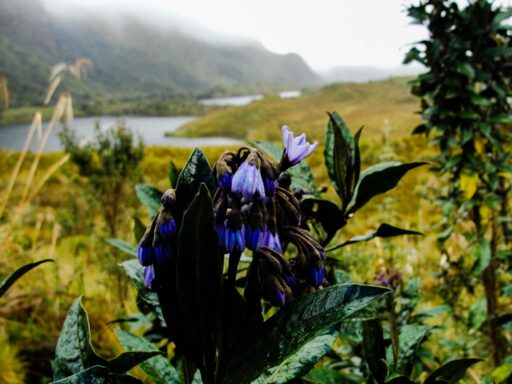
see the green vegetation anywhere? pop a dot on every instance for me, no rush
(378, 106)
(465, 101)
(33, 40)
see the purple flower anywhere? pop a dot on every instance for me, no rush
(269, 240)
(149, 276)
(247, 181)
(289, 278)
(277, 298)
(167, 229)
(270, 185)
(252, 237)
(221, 236)
(315, 275)
(297, 148)
(225, 181)
(162, 253)
(145, 255)
(235, 239)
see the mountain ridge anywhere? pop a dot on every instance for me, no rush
(130, 57)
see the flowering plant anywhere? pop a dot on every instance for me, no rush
(233, 263)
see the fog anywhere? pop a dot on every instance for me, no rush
(326, 33)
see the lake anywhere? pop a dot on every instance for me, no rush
(243, 100)
(151, 129)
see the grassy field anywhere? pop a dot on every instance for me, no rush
(60, 224)
(376, 105)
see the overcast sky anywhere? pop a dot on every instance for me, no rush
(325, 33)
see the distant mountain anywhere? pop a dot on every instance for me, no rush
(363, 74)
(129, 57)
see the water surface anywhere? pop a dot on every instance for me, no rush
(151, 129)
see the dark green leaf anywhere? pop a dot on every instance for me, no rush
(13, 277)
(477, 314)
(150, 197)
(300, 362)
(324, 213)
(467, 70)
(451, 372)
(301, 175)
(136, 272)
(174, 173)
(114, 378)
(410, 338)
(295, 325)
(128, 360)
(138, 229)
(378, 179)
(196, 171)
(159, 370)
(327, 375)
(374, 349)
(384, 230)
(74, 352)
(200, 279)
(94, 375)
(339, 157)
(400, 380)
(481, 255)
(123, 246)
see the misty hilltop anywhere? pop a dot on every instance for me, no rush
(130, 56)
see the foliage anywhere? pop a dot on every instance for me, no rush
(77, 362)
(195, 297)
(465, 102)
(109, 162)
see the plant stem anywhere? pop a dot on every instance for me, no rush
(489, 283)
(394, 329)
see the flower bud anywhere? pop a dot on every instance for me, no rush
(168, 199)
(149, 276)
(247, 181)
(145, 255)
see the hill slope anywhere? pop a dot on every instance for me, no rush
(376, 105)
(129, 56)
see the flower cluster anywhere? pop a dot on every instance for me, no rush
(155, 245)
(255, 210)
(388, 278)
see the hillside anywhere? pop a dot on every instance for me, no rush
(129, 57)
(375, 105)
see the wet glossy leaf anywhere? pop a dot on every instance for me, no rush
(410, 338)
(378, 179)
(324, 213)
(94, 375)
(98, 375)
(159, 370)
(451, 372)
(196, 171)
(295, 325)
(327, 375)
(17, 274)
(123, 246)
(301, 175)
(299, 363)
(128, 360)
(174, 173)
(144, 296)
(74, 352)
(200, 279)
(149, 196)
(339, 157)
